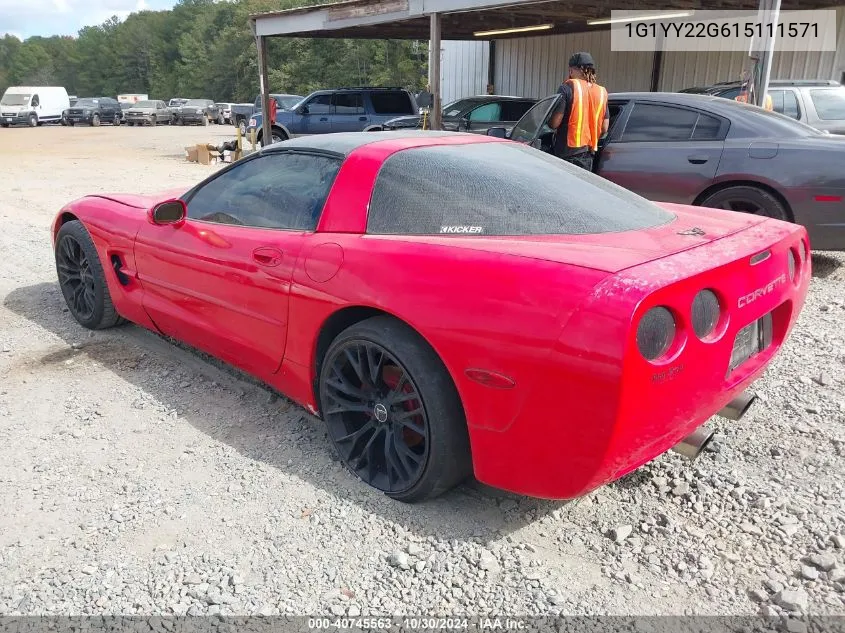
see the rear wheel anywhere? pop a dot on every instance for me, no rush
(278, 136)
(242, 127)
(95, 120)
(221, 120)
(82, 279)
(392, 411)
(116, 121)
(747, 199)
(153, 120)
(205, 120)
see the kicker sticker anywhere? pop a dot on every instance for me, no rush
(461, 229)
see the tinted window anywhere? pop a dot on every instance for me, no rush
(707, 128)
(785, 102)
(288, 102)
(829, 104)
(456, 108)
(349, 103)
(514, 110)
(652, 122)
(499, 189)
(391, 103)
(321, 104)
(35, 101)
(197, 103)
(276, 191)
(526, 129)
(486, 113)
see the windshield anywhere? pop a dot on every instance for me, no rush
(145, 104)
(87, 102)
(15, 100)
(288, 103)
(829, 103)
(200, 103)
(456, 108)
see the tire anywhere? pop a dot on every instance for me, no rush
(242, 126)
(4, 125)
(153, 121)
(278, 137)
(33, 120)
(74, 244)
(747, 199)
(221, 120)
(377, 444)
(71, 123)
(179, 122)
(205, 121)
(95, 121)
(130, 123)
(116, 121)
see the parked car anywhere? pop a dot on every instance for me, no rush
(713, 152)
(340, 110)
(33, 105)
(149, 113)
(225, 111)
(242, 112)
(818, 103)
(447, 291)
(93, 111)
(472, 114)
(201, 111)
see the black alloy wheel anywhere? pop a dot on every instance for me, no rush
(392, 412)
(747, 199)
(81, 278)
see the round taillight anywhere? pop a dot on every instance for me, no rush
(656, 332)
(706, 311)
(791, 261)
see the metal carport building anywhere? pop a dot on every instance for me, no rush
(532, 63)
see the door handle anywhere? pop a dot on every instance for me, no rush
(362, 118)
(325, 118)
(698, 159)
(267, 256)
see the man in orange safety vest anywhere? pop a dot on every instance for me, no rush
(581, 117)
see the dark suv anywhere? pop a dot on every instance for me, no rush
(818, 103)
(93, 111)
(340, 110)
(473, 114)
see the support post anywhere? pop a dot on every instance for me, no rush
(266, 128)
(491, 68)
(657, 64)
(434, 73)
(769, 11)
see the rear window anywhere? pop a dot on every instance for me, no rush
(829, 104)
(499, 189)
(391, 103)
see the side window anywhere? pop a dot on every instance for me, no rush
(733, 93)
(348, 103)
(487, 113)
(707, 128)
(790, 105)
(275, 191)
(395, 102)
(514, 110)
(529, 126)
(829, 103)
(35, 101)
(651, 122)
(321, 104)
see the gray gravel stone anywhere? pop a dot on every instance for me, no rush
(838, 541)
(809, 573)
(793, 600)
(398, 559)
(825, 562)
(620, 533)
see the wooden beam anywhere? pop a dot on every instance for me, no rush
(264, 78)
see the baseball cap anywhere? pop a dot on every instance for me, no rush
(580, 60)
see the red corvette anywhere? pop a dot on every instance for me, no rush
(452, 303)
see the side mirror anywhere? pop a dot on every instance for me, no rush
(498, 132)
(169, 212)
(303, 109)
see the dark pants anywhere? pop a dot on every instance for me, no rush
(583, 160)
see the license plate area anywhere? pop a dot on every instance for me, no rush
(750, 341)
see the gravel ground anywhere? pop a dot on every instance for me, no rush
(138, 477)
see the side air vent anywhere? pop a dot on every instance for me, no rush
(117, 264)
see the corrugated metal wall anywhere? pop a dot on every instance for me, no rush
(685, 69)
(464, 67)
(535, 66)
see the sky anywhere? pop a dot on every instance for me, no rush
(25, 18)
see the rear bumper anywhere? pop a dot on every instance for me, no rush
(601, 409)
(822, 212)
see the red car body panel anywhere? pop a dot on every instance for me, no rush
(555, 315)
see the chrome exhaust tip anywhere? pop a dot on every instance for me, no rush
(692, 445)
(737, 407)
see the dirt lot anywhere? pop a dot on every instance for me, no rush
(136, 477)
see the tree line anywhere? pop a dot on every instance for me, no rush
(204, 49)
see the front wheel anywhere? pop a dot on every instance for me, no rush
(116, 121)
(33, 120)
(747, 199)
(242, 127)
(392, 411)
(95, 121)
(82, 279)
(205, 120)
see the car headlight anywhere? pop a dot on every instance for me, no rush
(656, 332)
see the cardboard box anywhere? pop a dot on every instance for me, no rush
(191, 154)
(203, 154)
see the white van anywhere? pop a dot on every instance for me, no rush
(32, 105)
